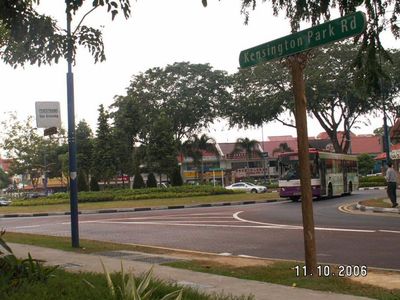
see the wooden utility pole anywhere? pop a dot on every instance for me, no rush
(296, 64)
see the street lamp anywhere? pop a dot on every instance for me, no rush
(73, 196)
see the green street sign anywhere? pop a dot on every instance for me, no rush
(328, 32)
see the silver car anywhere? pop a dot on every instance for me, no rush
(248, 187)
(4, 201)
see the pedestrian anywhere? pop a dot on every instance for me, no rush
(391, 179)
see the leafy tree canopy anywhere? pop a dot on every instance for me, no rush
(264, 94)
(4, 179)
(379, 13)
(187, 93)
(365, 164)
(29, 150)
(27, 36)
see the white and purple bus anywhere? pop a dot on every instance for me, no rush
(332, 174)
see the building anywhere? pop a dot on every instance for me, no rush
(228, 168)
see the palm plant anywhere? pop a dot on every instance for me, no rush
(283, 147)
(250, 147)
(194, 148)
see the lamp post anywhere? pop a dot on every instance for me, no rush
(264, 154)
(73, 196)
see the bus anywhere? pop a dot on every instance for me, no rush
(332, 174)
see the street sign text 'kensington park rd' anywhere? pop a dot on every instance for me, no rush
(328, 32)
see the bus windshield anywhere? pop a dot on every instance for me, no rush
(290, 170)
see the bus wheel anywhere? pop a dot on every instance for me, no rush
(294, 198)
(350, 187)
(330, 191)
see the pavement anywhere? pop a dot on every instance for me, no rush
(207, 283)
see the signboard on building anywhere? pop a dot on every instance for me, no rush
(48, 114)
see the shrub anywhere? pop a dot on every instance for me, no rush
(94, 184)
(131, 194)
(129, 289)
(176, 178)
(138, 182)
(380, 179)
(151, 180)
(14, 271)
(82, 184)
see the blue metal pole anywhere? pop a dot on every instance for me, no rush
(73, 196)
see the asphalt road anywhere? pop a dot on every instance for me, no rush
(270, 230)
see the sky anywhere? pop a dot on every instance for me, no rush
(158, 33)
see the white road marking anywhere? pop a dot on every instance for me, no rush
(198, 216)
(283, 226)
(28, 226)
(389, 231)
(187, 224)
(200, 220)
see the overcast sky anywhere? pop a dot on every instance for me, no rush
(159, 32)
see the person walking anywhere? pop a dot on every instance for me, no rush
(391, 179)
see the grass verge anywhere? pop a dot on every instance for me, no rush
(284, 273)
(140, 203)
(277, 272)
(377, 203)
(64, 243)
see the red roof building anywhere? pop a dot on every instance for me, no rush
(5, 164)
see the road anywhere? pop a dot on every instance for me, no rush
(270, 230)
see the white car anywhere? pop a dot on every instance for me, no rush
(247, 186)
(4, 201)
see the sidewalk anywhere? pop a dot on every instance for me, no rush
(207, 283)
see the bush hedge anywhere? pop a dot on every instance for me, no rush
(130, 194)
(372, 181)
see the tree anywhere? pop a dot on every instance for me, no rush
(176, 178)
(138, 181)
(370, 53)
(84, 141)
(194, 148)
(123, 152)
(30, 152)
(187, 93)
(250, 147)
(103, 158)
(283, 147)
(365, 164)
(151, 180)
(263, 94)
(28, 36)
(333, 98)
(162, 148)
(4, 179)
(94, 184)
(259, 95)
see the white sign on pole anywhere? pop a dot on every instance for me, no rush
(48, 114)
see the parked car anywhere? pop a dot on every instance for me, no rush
(4, 201)
(248, 187)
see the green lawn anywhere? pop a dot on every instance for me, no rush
(140, 203)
